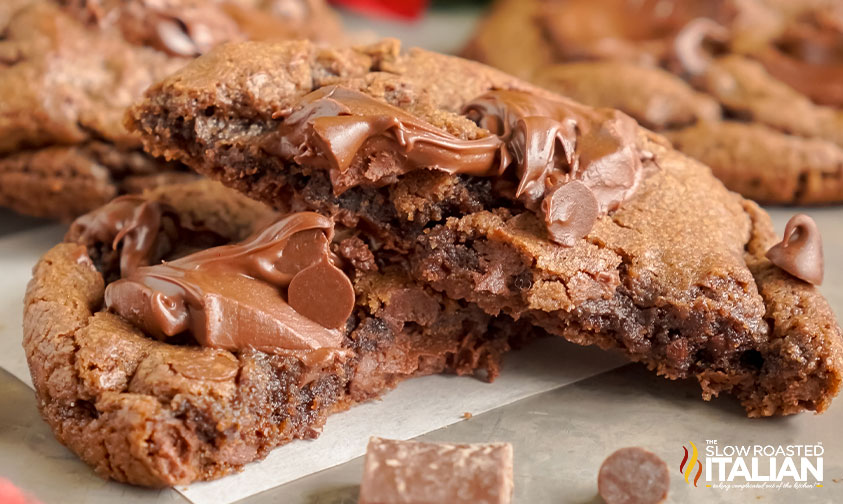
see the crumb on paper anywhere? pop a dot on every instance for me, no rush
(836, 480)
(467, 415)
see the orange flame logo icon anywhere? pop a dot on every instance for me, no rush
(686, 467)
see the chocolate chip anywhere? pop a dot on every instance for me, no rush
(633, 476)
(570, 212)
(322, 293)
(800, 253)
(302, 250)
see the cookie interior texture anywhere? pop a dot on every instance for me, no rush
(70, 68)
(750, 88)
(675, 278)
(156, 413)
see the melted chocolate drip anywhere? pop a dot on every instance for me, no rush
(550, 143)
(554, 143)
(232, 296)
(278, 291)
(133, 222)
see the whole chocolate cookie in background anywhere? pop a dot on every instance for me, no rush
(752, 88)
(517, 201)
(68, 70)
(215, 362)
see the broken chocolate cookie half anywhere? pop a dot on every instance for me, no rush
(179, 335)
(516, 202)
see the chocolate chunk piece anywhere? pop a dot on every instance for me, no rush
(633, 476)
(322, 293)
(412, 472)
(671, 271)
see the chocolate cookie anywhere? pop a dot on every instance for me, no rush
(754, 89)
(515, 200)
(164, 373)
(69, 69)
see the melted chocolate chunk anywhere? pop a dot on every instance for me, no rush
(809, 57)
(330, 126)
(554, 143)
(133, 222)
(196, 365)
(278, 291)
(800, 253)
(232, 297)
(551, 143)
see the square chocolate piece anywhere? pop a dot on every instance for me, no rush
(411, 472)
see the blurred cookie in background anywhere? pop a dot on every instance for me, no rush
(68, 69)
(753, 88)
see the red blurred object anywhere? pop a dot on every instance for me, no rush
(406, 9)
(10, 494)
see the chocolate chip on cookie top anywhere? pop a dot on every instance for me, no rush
(800, 253)
(573, 163)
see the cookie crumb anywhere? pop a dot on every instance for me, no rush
(467, 415)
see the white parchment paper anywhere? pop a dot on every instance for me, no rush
(18, 254)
